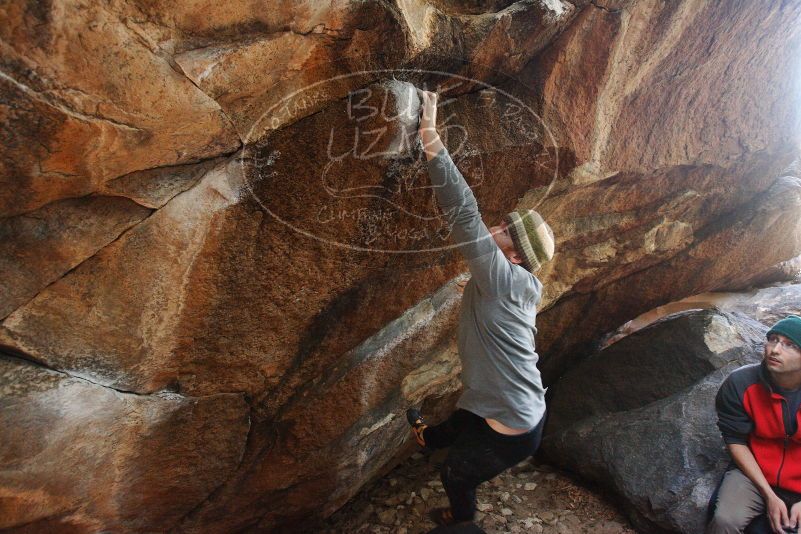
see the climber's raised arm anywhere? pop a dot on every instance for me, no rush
(486, 261)
(453, 194)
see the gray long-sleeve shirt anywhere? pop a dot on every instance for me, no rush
(499, 307)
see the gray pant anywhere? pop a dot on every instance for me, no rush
(739, 502)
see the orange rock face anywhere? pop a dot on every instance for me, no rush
(66, 439)
(223, 277)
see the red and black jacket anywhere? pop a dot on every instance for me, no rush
(752, 412)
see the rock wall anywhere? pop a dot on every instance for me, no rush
(646, 427)
(638, 417)
(172, 222)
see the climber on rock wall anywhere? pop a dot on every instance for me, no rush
(500, 414)
(759, 409)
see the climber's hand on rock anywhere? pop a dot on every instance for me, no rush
(428, 109)
(432, 144)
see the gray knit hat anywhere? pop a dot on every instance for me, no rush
(532, 236)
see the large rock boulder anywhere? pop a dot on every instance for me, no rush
(639, 417)
(765, 304)
(80, 457)
(619, 264)
(620, 87)
(87, 97)
(184, 210)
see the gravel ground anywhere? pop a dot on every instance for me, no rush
(529, 498)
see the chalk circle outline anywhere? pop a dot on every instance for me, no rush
(246, 143)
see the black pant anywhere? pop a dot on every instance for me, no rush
(477, 454)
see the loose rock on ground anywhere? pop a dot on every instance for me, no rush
(530, 498)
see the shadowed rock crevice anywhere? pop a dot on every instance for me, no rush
(81, 228)
(58, 103)
(218, 188)
(38, 248)
(153, 188)
(597, 5)
(233, 472)
(14, 356)
(472, 7)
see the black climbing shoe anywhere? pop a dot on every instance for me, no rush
(414, 417)
(417, 424)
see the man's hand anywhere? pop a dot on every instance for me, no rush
(428, 109)
(428, 124)
(777, 513)
(795, 515)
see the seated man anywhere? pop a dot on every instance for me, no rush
(758, 414)
(500, 417)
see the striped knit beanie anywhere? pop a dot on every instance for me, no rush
(532, 236)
